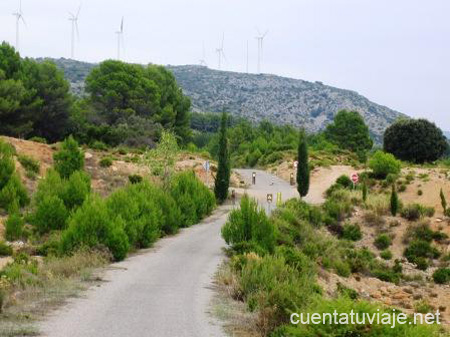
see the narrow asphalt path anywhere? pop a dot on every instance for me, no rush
(164, 291)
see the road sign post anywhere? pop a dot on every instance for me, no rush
(355, 179)
(206, 166)
(292, 179)
(254, 178)
(269, 200)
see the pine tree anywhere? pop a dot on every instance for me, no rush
(303, 166)
(222, 181)
(443, 201)
(394, 201)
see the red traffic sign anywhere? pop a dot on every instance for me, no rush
(355, 178)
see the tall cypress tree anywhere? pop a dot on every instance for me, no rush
(303, 166)
(394, 201)
(223, 172)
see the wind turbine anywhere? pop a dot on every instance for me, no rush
(260, 38)
(120, 41)
(74, 19)
(246, 66)
(19, 16)
(220, 52)
(202, 60)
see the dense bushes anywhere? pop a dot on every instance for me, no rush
(192, 197)
(382, 241)
(420, 252)
(415, 140)
(414, 212)
(249, 224)
(136, 215)
(383, 164)
(351, 232)
(442, 276)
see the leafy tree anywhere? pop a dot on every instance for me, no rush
(394, 201)
(162, 159)
(349, 131)
(69, 158)
(303, 171)
(119, 91)
(222, 182)
(415, 140)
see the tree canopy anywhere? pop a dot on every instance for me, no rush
(415, 140)
(349, 132)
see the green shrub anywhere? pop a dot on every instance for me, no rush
(383, 164)
(69, 158)
(140, 211)
(344, 181)
(351, 232)
(50, 214)
(106, 162)
(386, 254)
(395, 204)
(135, 178)
(98, 145)
(14, 227)
(29, 164)
(382, 241)
(193, 198)
(414, 212)
(419, 251)
(38, 140)
(249, 224)
(13, 191)
(442, 276)
(76, 189)
(5, 250)
(91, 226)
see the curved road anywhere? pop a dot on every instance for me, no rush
(163, 291)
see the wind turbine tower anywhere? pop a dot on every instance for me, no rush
(74, 19)
(202, 60)
(220, 52)
(260, 38)
(19, 16)
(120, 44)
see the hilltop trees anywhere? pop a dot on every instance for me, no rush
(123, 97)
(223, 172)
(415, 140)
(34, 97)
(303, 166)
(349, 131)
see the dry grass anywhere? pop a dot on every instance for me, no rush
(55, 280)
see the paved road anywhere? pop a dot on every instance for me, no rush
(161, 292)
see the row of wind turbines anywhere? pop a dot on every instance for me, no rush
(73, 18)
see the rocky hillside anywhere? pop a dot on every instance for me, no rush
(256, 97)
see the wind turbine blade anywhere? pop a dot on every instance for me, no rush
(23, 20)
(258, 31)
(78, 12)
(121, 25)
(265, 34)
(223, 39)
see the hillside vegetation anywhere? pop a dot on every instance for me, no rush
(278, 99)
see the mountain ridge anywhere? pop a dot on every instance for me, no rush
(257, 97)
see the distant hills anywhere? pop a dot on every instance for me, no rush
(256, 97)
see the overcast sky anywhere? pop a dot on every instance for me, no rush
(395, 52)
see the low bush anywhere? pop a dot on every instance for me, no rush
(420, 251)
(38, 140)
(50, 214)
(92, 226)
(442, 276)
(135, 178)
(382, 241)
(383, 164)
(386, 254)
(249, 224)
(344, 181)
(414, 212)
(98, 145)
(14, 226)
(12, 192)
(351, 232)
(5, 250)
(106, 162)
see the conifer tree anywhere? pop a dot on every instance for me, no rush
(443, 201)
(222, 181)
(394, 201)
(302, 166)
